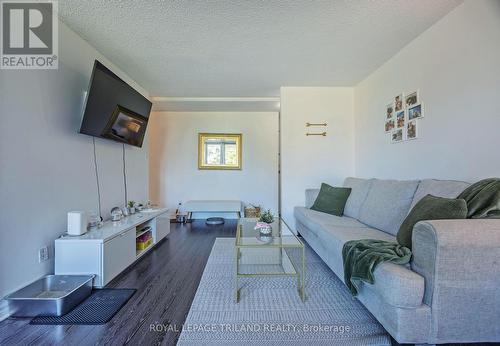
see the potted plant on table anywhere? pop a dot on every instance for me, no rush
(131, 207)
(264, 224)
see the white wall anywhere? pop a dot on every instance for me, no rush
(47, 167)
(456, 66)
(306, 162)
(174, 158)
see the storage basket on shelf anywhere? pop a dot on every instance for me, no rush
(252, 212)
(143, 241)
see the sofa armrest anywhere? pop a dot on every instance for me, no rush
(311, 195)
(460, 262)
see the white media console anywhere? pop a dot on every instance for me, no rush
(108, 250)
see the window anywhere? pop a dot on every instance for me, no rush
(219, 151)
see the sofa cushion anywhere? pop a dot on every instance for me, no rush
(331, 200)
(387, 204)
(396, 285)
(333, 238)
(315, 219)
(359, 191)
(438, 188)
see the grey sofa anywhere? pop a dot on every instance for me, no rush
(450, 292)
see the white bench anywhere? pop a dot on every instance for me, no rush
(212, 206)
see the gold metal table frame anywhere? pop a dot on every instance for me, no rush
(257, 258)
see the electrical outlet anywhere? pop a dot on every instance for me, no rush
(43, 254)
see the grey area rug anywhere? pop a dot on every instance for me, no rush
(270, 311)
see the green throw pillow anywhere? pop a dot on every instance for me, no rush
(331, 199)
(431, 208)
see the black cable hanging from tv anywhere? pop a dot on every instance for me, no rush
(124, 176)
(97, 180)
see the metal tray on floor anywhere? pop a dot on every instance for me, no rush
(52, 295)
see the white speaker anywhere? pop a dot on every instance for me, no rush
(77, 222)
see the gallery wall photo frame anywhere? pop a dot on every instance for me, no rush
(390, 125)
(389, 111)
(399, 104)
(416, 111)
(398, 135)
(400, 119)
(412, 98)
(412, 129)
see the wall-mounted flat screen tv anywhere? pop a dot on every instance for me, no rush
(114, 109)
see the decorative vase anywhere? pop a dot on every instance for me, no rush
(265, 238)
(265, 230)
(131, 210)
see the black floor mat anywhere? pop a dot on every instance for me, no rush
(98, 308)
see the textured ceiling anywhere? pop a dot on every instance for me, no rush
(249, 48)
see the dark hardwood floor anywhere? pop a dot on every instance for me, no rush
(166, 280)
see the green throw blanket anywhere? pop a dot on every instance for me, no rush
(483, 199)
(361, 257)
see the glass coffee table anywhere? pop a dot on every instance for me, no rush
(280, 254)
